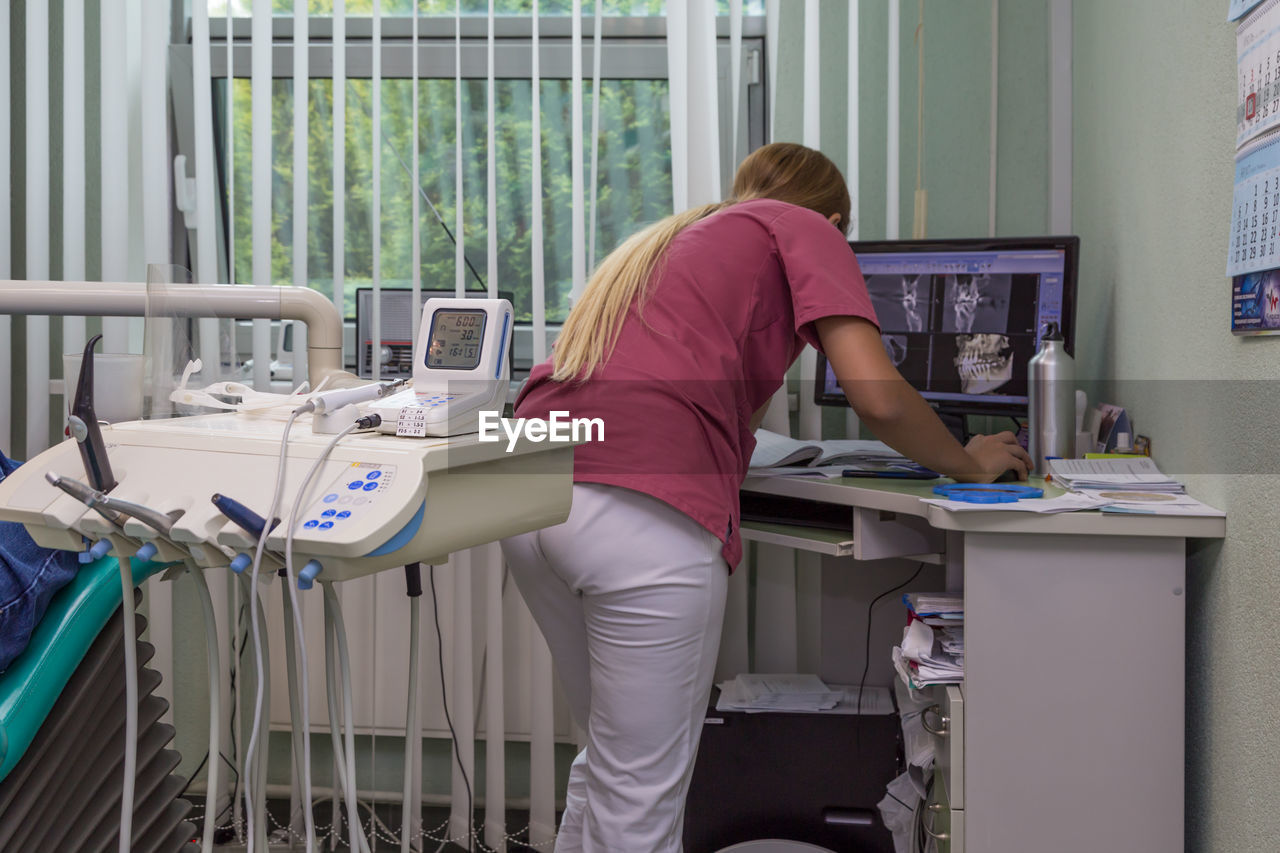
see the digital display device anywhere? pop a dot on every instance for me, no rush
(961, 319)
(461, 367)
(457, 337)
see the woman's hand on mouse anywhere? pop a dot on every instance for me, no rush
(993, 455)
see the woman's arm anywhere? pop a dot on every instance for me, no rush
(897, 414)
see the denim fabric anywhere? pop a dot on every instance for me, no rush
(29, 576)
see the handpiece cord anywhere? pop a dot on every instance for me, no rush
(413, 580)
(332, 676)
(257, 767)
(290, 582)
(131, 705)
(215, 709)
(344, 663)
(295, 712)
(253, 622)
(444, 701)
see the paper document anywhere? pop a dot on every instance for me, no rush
(1138, 473)
(1070, 502)
(1185, 506)
(874, 701)
(776, 692)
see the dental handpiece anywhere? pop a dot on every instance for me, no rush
(243, 517)
(158, 521)
(329, 401)
(88, 496)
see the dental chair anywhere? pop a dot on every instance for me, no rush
(62, 724)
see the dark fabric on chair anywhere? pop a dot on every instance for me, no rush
(29, 576)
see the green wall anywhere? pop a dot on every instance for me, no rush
(1154, 143)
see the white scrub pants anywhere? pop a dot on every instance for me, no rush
(629, 594)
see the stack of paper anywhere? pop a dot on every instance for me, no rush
(1135, 474)
(935, 608)
(932, 650)
(781, 692)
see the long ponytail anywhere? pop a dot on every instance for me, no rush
(783, 171)
(593, 325)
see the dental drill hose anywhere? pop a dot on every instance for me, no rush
(413, 584)
(260, 664)
(333, 610)
(215, 711)
(292, 596)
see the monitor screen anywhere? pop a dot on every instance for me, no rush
(961, 318)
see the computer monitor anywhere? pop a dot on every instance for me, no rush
(397, 327)
(961, 318)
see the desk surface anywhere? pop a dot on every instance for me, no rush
(904, 496)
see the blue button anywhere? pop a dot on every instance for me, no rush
(369, 487)
(373, 475)
(346, 513)
(326, 525)
(310, 524)
(330, 498)
(329, 513)
(354, 484)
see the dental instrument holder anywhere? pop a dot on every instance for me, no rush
(84, 426)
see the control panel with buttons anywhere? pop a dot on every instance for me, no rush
(351, 493)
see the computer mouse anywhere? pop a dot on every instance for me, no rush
(1010, 476)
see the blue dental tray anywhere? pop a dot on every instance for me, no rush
(987, 493)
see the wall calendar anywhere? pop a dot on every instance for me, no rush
(1253, 257)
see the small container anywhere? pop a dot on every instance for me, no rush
(1051, 388)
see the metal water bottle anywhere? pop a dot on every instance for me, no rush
(1051, 386)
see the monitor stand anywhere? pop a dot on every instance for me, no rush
(956, 424)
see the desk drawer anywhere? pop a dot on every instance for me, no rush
(940, 820)
(945, 720)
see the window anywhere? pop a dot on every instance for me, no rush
(634, 161)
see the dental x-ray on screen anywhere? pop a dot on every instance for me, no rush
(961, 318)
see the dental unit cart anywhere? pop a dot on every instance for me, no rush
(194, 491)
(379, 502)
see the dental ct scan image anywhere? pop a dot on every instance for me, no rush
(961, 322)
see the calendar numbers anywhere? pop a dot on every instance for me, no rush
(1255, 213)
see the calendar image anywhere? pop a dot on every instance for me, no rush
(1255, 237)
(1258, 72)
(1255, 303)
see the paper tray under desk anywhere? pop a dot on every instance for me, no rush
(866, 534)
(834, 543)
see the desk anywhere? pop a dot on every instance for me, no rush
(1068, 732)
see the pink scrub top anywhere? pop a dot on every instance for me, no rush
(725, 315)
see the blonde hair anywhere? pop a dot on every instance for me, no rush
(783, 171)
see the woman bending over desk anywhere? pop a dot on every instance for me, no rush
(677, 344)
